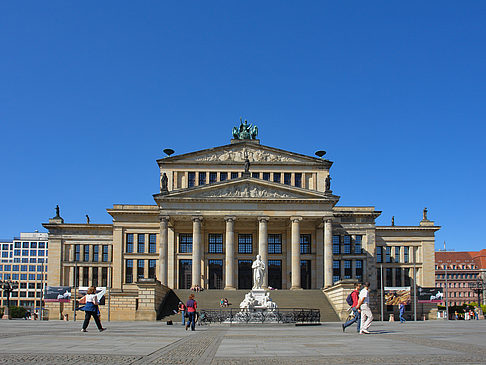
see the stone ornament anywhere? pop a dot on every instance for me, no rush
(258, 267)
(245, 191)
(241, 154)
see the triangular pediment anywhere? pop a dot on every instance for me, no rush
(237, 152)
(247, 188)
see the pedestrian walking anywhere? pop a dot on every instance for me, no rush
(91, 310)
(182, 310)
(357, 315)
(401, 308)
(191, 306)
(364, 307)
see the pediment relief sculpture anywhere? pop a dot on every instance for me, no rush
(246, 191)
(239, 155)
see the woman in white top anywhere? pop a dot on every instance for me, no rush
(91, 309)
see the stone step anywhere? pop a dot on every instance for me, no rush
(210, 299)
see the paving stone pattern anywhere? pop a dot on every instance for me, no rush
(56, 342)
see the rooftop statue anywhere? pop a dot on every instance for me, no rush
(245, 130)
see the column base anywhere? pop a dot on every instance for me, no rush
(229, 288)
(296, 288)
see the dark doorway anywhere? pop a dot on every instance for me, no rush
(185, 274)
(305, 274)
(215, 274)
(245, 274)
(275, 274)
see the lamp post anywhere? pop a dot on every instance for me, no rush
(477, 287)
(8, 286)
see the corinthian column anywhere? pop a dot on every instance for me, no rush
(164, 223)
(230, 253)
(263, 246)
(196, 250)
(327, 252)
(295, 245)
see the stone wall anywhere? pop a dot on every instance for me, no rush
(337, 295)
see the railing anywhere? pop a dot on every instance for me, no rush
(278, 315)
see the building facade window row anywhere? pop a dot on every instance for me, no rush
(198, 178)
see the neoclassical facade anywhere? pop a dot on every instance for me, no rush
(220, 207)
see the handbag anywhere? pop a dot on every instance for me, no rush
(186, 315)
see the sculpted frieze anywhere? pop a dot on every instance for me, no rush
(238, 155)
(246, 191)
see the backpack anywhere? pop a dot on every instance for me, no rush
(349, 299)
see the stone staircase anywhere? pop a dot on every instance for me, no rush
(210, 299)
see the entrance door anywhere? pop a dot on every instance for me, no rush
(245, 274)
(275, 274)
(215, 274)
(305, 274)
(185, 274)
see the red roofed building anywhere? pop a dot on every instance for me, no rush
(463, 271)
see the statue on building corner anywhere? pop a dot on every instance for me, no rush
(393, 221)
(87, 219)
(57, 211)
(163, 183)
(245, 130)
(425, 214)
(328, 183)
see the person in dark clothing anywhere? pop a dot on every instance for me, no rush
(357, 314)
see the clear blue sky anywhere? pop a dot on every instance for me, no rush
(92, 92)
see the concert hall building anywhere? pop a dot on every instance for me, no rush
(214, 211)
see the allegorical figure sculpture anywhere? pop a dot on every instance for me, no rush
(258, 267)
(328, 183)
(57, 211)
(393, 220)
(87, 219)
(425, 214)
(163, 182)
(247, 164)
(245, 131)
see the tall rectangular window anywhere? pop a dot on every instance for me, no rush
(389, 277)
(305, 243)
(202, 178)
(140, 243)
(358, 244)
(245, 243)
(185, 242)
(152, 242)
(359, 269)
(255, 175)
(274, 243)
(223, 176)
(234, 175)
(298, 179)
(277, 177)
(77, 250)
(96, 253)
(405, 254)
(86, 253)
(105, 253)
(129, 243)
(94, 282)
(397, 253)
(347, 244)
(347, 269)
(76, 276)
(104, 276)
(213, 177)
(398, 276)
(129, 271)
(85, 276)
(336, 245)
(406, 277)
(152, 266)
(287, 178)
(140, 269)
(266, 176)
(191, 179)
(388, 255)
(336, 271)
(215, 243)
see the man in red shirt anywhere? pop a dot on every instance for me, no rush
(357, 314)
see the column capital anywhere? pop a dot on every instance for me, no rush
(164, 218)
(295, 219)
(229, 218)
(327, 219)
(197, 218)
(263, 219)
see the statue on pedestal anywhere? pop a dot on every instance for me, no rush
(258, 267)
(328, 183)
(425, 214)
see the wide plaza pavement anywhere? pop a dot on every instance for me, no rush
(58, 342)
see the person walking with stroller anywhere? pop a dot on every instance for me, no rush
(357, 315)
(191, 306)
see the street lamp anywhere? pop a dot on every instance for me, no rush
(477, 287)
(8, 286)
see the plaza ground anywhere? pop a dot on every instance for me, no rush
(56, 342)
